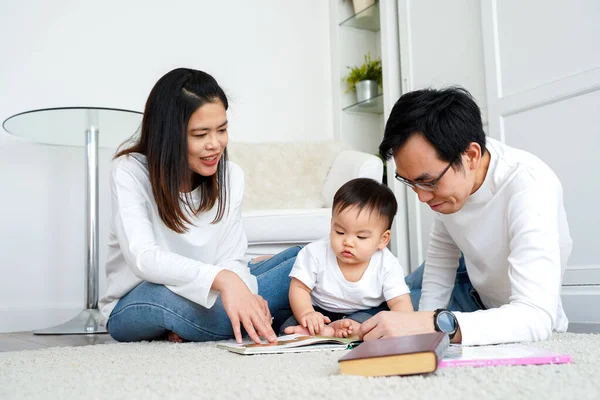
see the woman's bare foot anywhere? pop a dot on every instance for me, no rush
(259, 259)
(173, 337)
(344, 328)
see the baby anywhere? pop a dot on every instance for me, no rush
(340, 281)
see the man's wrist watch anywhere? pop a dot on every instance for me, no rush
(445, 321)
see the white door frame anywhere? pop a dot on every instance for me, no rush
(413, 211)
(391, 57)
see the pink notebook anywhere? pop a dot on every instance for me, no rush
(502, 354)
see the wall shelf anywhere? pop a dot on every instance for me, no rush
(367, 19)
(371, 106)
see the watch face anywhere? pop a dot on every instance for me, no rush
(446, 322)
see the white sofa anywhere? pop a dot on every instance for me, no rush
(290, 189)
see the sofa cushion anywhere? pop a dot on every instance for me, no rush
(284, 175)
(350, 165)
(286, 226)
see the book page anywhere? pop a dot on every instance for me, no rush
(297, 340)
(287, 342)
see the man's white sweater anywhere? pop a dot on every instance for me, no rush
(514, 235)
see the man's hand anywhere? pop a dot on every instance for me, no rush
(314, 322)
(243, 306)
(395, 323)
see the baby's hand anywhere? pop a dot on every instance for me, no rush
(314, 322)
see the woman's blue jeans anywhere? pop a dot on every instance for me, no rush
(150, 311)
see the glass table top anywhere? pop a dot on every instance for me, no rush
(66, 126)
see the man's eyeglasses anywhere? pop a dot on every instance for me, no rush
(427, 186)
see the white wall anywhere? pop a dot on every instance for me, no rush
(271, 56)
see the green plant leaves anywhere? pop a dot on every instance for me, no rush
(370, 70)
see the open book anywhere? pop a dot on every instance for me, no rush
(292, 344)
(501, 354)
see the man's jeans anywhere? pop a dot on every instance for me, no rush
(150, 311)
(464, 296)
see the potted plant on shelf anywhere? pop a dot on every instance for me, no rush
(365, 79)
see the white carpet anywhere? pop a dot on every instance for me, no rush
(161, 370)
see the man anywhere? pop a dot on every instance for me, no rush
(502, 208)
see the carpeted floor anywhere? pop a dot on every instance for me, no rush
(160, 370)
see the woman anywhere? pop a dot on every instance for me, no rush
(176, 263)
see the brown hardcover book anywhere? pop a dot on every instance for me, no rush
(405, 355)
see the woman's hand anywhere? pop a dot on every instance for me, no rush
(243, 306)
(264, 305)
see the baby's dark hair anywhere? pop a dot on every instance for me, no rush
(366, 193)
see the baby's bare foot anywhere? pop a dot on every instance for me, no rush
(328, 330)
(344, 328)
(173, 337)
(299, 329)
